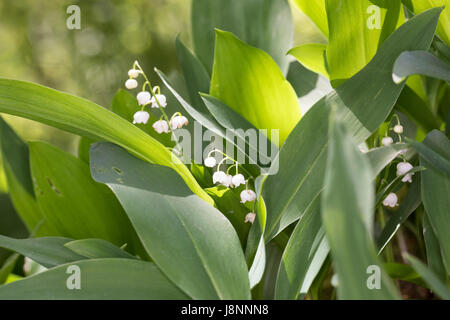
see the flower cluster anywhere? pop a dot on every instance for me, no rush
(152, 97)
(231, 181)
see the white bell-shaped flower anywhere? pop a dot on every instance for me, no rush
(161, 99)
(161, 126)
(391, 200)
(228, 182)
(178, 121)
(210, 162)
(219, 177)
(402, 169)
(398, 129)
(131, 84)
(238, 180)
(248, 195)
(386, 141)
(141, 117)
(133, 73)
(250, 217)
(143, 98)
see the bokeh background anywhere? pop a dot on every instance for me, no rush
(36, 45)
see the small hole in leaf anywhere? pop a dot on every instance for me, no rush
(117, 170)
(50, 182)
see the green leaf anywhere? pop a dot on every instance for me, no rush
(435, 191)
(16, 164)
(379, 158)
(8, 267)
(429, 277)
(316, 11)
(73, 203)
(420, 62)
(435, 150)
(47, 251)
(249, 82)
(443, 28)
(303, 156)
(86, 118)
(97, 248)
(404, 272)
(101, 279)
(352, 45)
(196, 77)
(347, 215)
(433, 249)
(409, 204)
(265, 24)
(83, 148)
(192, 242)
(313, 56)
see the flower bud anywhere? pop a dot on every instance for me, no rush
(238, 180)
(402, 169)
(143, 98)
(131, 84)
(219, 177)
(250, 217)
(398, 129)
(133, 73)
(248, 195)
(161, 126)
(210, 162)
(386, 141)
(391, 200)
(141, 117)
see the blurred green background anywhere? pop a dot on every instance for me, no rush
(36, 45)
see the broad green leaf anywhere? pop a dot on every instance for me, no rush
(435, 191)
(83, 148)
(196, 77)
(434, 255)
(347, 215)
(249, 82)
(7, 268)
(313, 56)
(435, 151)
(357, 29)
(266, 287)
(101, 279)
(316, 11)
(16, 164)
(303, 156)
(420, 62)
(404, 272)
(443, 28)
(379, 158)
(265, 24)
(72, 202)
(409, 204)
(97, 248)
(429, 277)
(47, 251)
(190, 241)
(125, 105)
(86, 118)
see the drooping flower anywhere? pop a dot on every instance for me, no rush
(161, 99)
(178, 121)
(238, 180)
(386, 141)
(402, 169)
(143, 98)
(161, 126)
(210, 162)
(391, 200)
(398, 129)
(141, 117)
(134, 73)
(250, 217)
(131, 84)
(228, 181)
(248, 195)
(219, 177)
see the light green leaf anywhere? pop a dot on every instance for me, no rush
(249, 82)
(303, 156)
(7, 268)
(429, 277)
(435, 191)
(47, 251)
(86, 118)
(357, 30)
(265, 24)
(191, 241)
(347, 215)
(420, 62)
(443, 28)
(316, 11)
(313, 56)
(97, 248)
(101, 279)
(73, 203)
